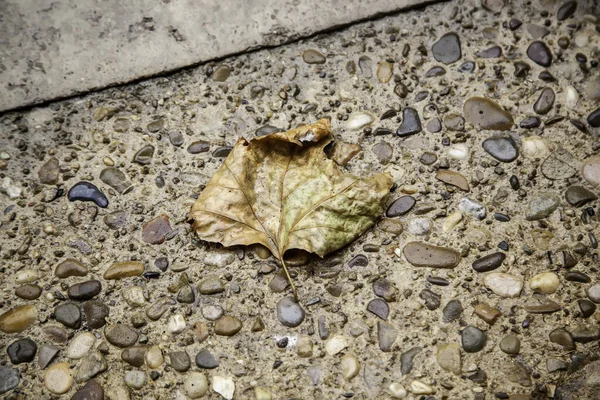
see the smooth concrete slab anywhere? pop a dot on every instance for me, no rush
(54, 49)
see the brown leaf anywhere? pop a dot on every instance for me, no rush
(281, 191)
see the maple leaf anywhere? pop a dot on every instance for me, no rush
(281, 191)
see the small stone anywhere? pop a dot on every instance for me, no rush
(489, 262)
(186, 295)
(219, 259)
(205, 359)
(135, 379)
(385, 70)
(487, 313)
(397, 391)
(510, 344)
(501, 148)
(221, 73)
(95, 314)
(144, 155)
(135, 355)
(159, 308)
(311, 56)
(593, 293)
(473, 339)
(358, 121)
(261, 393)
(116, 220)
(448, 357)
(304, 346)
(591, 171)
(134, 296)
(419, 226)
(116, 179)
(86, 191)
(198, 147)
(176, 324)
(379, 307)
(411, 123)
(228, 326)
(541, 206)
(521, 69)
(434, 125)
(452, 311)
(124, 269)
(156, 230)
(85, 290)
(539, 53)
(426, 255)
(176, 138)
(21, 351)
(385, 289)
(544, 103)
(563, 338)
(384, 152)
(69, 315)
(120, 335)
(289, 313)
(350, 366)
(587, 307)
(195, 385)
(566, 11)
(545, 283)
(560, 165)
(453, 178)
(9, 378)
(469, 206)
(485, 114)
(571, 97)
(48, 173)
(211, 285)
(223, 386)
(400, 206)
(407, 360)
(80, 345)
(56, 333)
(69, 268)
(336, 344)
(579, 196)
(447, 49)
(516, 373)
(46, 354)
(90, 391)
(365, 64)
(459, 151)
(18, 319)
(59, 378)
(554, 365)
(492, 52)
(29, 291)
(93, 364)
(154, 357)
(180, 361)
(504, 285)
(156, 125)
(432, 299)
(418, 387)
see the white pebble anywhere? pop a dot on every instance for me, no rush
(418, 387)
(219, 258)
(195, 385)
(118, 392)
(504, 285)
(545, 283)
(571, 97)
(336, 344)
(397, 391)
(154, 357)
(534, 147)
(81, 345)
(359, 120)
(350, 366)
(135, 379)
(26, 276)
(224, 386)
(469, 206)
(458, 151)
(176, 324)
(452, 220)
(419, 226)
(12, 191)
(134, 296)
(261, 393)
(59, 378)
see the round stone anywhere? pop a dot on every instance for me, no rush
(452, 311)
(59, 378)
(448, 357)
(539, 53)
(85, 290)
(591, 171)
(80, 345)
(312, 56)
(223, 386)
(545, 283)
(578, 196)
(212, 312)
(473, 339)
(561, 165)
(485, 114)
(350, 366)
(95, 314)
(21, 351)
(489, 262)
(176, 324)
(116, 179)
(134, 296)
(510, 344)
(68, 314)
(180, 361)
(135, 379)
(90, 391)
(154, 357)
(504, 285)
(228, 326)
(541, 206)
(195, 385)
(29, 291)
(593, 293)
(447, 49)
(501, 148)
(400, 206)
(9, 378)
(545, 101)
(426, 255)
(86, 191)
(120, 335)
(289, 312)
(205, 359)
(70, 267)
(411, 123)
(18, 319)
(336, 344)
(379, 307)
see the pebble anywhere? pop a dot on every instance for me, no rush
(124, 269)
(447, 49)
(154, 357)
(418, 387)
(545, 283)
(510, 344)
(312, 56)
(419, 226)
(483, 113)
(29, 291)
(180, 361)
(593, 293)
(492, 52)
(304, 346)
(135, 355)
(385, 71)
(219, 259)
(95, 314)
(176, 324)
(144, 155)
(9, 378)
(539, 53)
(176, 138)
(159, 308)
(48, 173)
(80, 345)
(116, 179)
(69, 315)
(261, 393)
(221, 73)
(544, 103)
(195, 385)
(563, 338)
(205, 359)
(289, 312)
(228, 326)
(566, 10)
(86, 191)
(534, 147)
(397, 391)
(453, 178)
(385, 289)
(18, 319)
(411, 123)
(426, 255)
(59, 378)
(473, 339)
(489, 262)
(504, 285)
(156, 125)
(90, 366)
(21, 351)
(365, 65)
(560, 164)
(587, 307)
(90, 391)
(434, 125)
(432, 299)
(458, 151)
(384, 152)
(156, 230)
(501, 148)
(12, 191)
(400, 206)
(452, 221)
(116, 220)
(379, 307)
(198, 147)
(120, 335)
(571, 97)
(448, 357)
(469, 206)
(211, 285)
(336, 344)
(223, 386)
(452, 311)
(70, 267)
(135, 379)
(487, 313)
(134, 296)
(358, 121)
(591, 171)
(541, 205)
(85, 290)
(407, 360)
(594, 118)
(350, 366)
(578, 196)
(46, 354)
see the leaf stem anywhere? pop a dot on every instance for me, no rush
(289, 278)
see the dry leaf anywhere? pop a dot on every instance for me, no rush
(281, 191)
